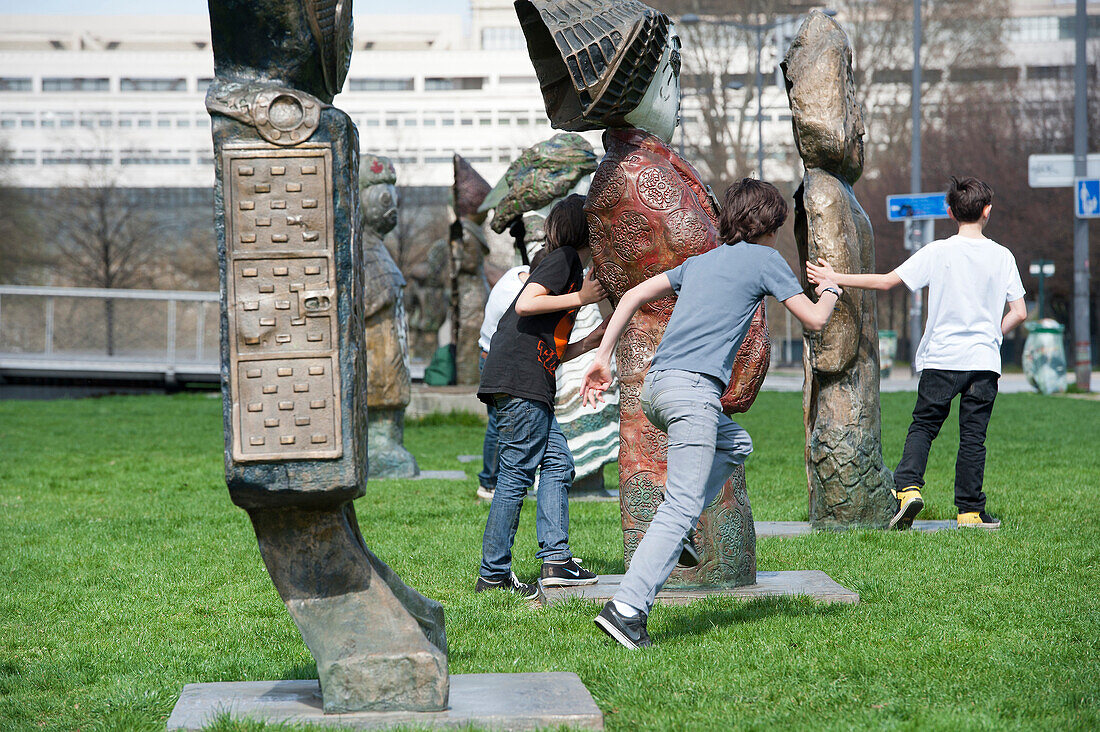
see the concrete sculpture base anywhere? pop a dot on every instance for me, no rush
(814, 584)
(497, 701)
(802, 528)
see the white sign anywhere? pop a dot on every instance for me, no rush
(1057, 171)
(1046, 269)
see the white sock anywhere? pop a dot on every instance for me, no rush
(625, 610)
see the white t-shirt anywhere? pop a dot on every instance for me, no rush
(969, 281)
(500, 299)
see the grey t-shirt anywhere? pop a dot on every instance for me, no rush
(717, 294)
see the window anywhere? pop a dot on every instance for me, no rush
(438, 159)
(509, 38)
(984, 73)
(374, 84)
(518, 80)
(456, 83)
(16, 84)
(1050, 73)
(75, 84)
(152, 85)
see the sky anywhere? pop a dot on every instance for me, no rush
(198, 7)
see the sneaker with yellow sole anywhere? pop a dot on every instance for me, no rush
(910, 504)
(978, 520)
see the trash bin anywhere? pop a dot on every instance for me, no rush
(1045, 356)
(887, 350)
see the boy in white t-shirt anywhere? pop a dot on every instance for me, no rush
(969, 280)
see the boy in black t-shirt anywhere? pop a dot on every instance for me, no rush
(531, 340)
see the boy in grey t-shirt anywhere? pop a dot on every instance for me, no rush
(717, 294)
(969, 279)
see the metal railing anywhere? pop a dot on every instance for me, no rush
(109, 333)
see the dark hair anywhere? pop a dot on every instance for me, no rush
(566, 226)
(537, 258)
(967, 199)
(753, 209)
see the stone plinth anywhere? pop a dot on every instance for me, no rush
(801, 528)
(495, 701)
(814, 584)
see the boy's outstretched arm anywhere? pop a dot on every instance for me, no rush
(815, 315)
(536, 299)
(1017, 313)
(598, 376)
(823, 272)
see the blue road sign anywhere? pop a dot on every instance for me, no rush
(1087, 197)
(917, 206)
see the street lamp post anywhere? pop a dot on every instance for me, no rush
(1041, 268)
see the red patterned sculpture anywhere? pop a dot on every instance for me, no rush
(648, 211)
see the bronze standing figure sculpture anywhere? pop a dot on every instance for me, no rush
(615, 65)
(848, 483)
(387, 341)
(293, 329)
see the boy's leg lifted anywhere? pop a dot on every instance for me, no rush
(935, 391)
(704, 447)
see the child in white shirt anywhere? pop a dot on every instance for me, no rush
(969, 279)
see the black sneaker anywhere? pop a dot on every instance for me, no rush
(566, 573)
(510, 583)
(689, 555)
(631, 632)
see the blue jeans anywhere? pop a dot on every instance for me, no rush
(529, 437)
(487, 478)
(704, 447)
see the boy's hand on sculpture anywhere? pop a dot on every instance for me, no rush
(827, 284)
(818, 273)
(596, 380)
(591, 290)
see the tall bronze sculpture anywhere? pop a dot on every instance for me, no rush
(615, 65)
(848, 483)
(293, 351)
(387, 342)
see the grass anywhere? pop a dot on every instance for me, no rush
(128, 573)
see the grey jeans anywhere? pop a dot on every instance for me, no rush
(704, 446)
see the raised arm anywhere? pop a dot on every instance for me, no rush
(814, 315)
(536, 299)
(598, 376)
(1017, 313)
(823, 271)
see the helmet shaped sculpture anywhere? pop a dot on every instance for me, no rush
(615, 65)
(593, 59)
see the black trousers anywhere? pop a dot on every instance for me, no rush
(935, 393)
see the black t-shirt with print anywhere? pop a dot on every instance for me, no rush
(525, 351)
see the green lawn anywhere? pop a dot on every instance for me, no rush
(127, 573)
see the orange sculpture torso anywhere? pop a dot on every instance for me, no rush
(648, 211)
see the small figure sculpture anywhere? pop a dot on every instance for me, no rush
(427, 299)
(848, 483)
(388, 387)
(293, 351)
(469, 288)
(615, 65)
